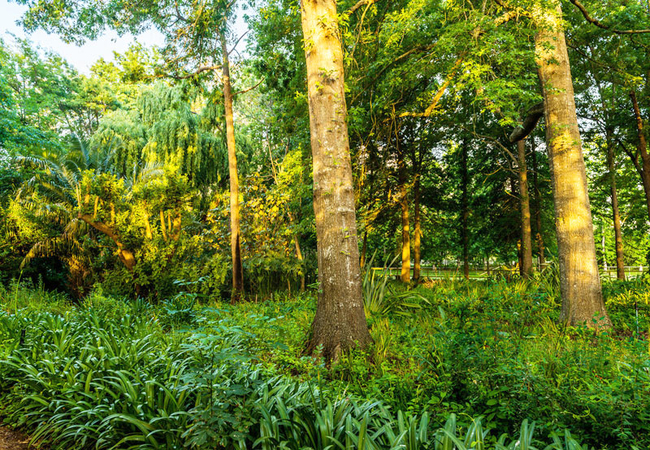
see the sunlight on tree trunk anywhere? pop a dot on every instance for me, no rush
(417, 231)
(296, 242)
(235, 233)
(126, 256)
(582, 300)
(364, 250)
(406, 229)
(340, 321)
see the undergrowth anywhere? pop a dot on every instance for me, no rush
(112, 373)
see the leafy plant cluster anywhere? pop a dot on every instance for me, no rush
(492, 350)
(106, 375)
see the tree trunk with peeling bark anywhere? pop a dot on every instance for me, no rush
(340, 322)
(235, 230)
(524, 199)
(582, 299)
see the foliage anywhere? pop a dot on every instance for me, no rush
(378, 297)
(488, 349)
(105, 375)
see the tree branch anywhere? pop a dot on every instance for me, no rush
(198, 71)
(436, 99)
(237, 42)
(249, 89)
(530, 122)
(633, 156)
(358, 5)
(599, 24)
(494, 141)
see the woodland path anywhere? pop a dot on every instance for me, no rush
(13, 440)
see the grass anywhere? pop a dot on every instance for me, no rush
(450, 360)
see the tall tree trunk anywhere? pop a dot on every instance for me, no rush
(513, 194)
(296, 241)
(616, 216)
(364, 249)
(235, 231)
(417, 231)
(465, 210)
(406, 231)
(603, 246)
(611, 156)
(582, 299)
(526, 240)
(340, 322)
(642, 148)
(538, 208)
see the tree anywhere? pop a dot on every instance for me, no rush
(526, 238)
(582, 299)
(235, 228)
(340, 322)
(196, 34)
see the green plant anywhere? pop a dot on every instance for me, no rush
(178, 311)
(549, 280)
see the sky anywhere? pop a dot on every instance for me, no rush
(82, 58)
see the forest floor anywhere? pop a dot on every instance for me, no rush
(13, 440)
(481, 354)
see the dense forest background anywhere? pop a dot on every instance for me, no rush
(130, 160)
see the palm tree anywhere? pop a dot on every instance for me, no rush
(58, 193)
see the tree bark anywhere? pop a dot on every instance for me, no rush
(603, 246)
(340, 322)
(176, 227)
(616, 216)
(417, 230)
(611, 157)
(465, 210)
(526, 239)
(538, 209)
(235, 231)
(582, 300)
(406, 231)
(642, 150)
